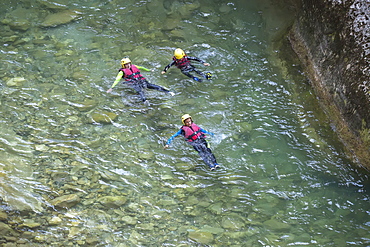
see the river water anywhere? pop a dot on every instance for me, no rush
(67, 179)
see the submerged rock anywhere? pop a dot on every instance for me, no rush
(276, 225)
(60, 18)
(213, 230)
(66, 201)
(232, 222)
(112, 201)
(19, 19)
(86, 105)
(182, 166)
(5, 229)
(15, 82)
(129, 220)
(52, 5)
(104, 117)
(3, 216)
(201, 237)
(55, 220)
(21, 25)
(30, 223)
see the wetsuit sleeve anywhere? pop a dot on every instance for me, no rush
(168, 66)
(142, 68)
(206, 132)
(118, 78)
(196, 59)
(173, 137)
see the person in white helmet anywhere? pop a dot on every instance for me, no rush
(194, 135)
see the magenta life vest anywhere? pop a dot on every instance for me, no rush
(132, 73)
(192, 133)
(181, 63)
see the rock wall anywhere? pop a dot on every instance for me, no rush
(331, 38)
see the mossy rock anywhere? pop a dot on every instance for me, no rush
(60, 18)
(66, 201)
(103, 117)
(112, 201)
(201, 237)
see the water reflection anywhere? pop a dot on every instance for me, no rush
(71, 176)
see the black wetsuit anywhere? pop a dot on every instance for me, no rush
(187, 67)
(140, 85)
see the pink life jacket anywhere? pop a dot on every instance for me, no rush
(181, 63)
(192, 133)
(132, 73)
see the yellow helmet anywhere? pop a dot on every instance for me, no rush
(184, 117)
(179, 53)
(124, 61)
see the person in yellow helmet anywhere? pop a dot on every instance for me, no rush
(133, 77)
(194, 135)
(182, 61)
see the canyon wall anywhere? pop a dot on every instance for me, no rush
(331, 39)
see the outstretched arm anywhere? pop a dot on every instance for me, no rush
(118, 78)
(206, 132)
(142, 68)
(172, 137)
(167, 67)
(198, 60)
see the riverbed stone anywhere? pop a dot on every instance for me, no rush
(19, 19)
(129, 220)
(201, 237)
(304, 237)
(166, 202)
(103, 117)
(166, 177)
(15, 82)
(60, 18)
(182, 166)
(213, 230)
(225, 8)
(145, 155)
(216, 208)
(55, 220)
(3, 216)
(145, 226)
(233, 222)
(5, 229)
(276, 225)
(187, 9)
(74, 231)
(30, 223)
(92, 241)
(41, 147)
(177, 33)
(53, 5)
(112, 201)
(136, 237)
(66, 201)
(80, 75)
(20, 24)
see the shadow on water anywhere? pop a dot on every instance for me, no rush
(85, 168)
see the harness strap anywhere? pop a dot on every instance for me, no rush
(193, 135)
(133, 75)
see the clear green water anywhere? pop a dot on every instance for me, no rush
(285, 180)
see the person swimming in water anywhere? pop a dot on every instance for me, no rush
(194, 135)
(183, 62)
(133, 77)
